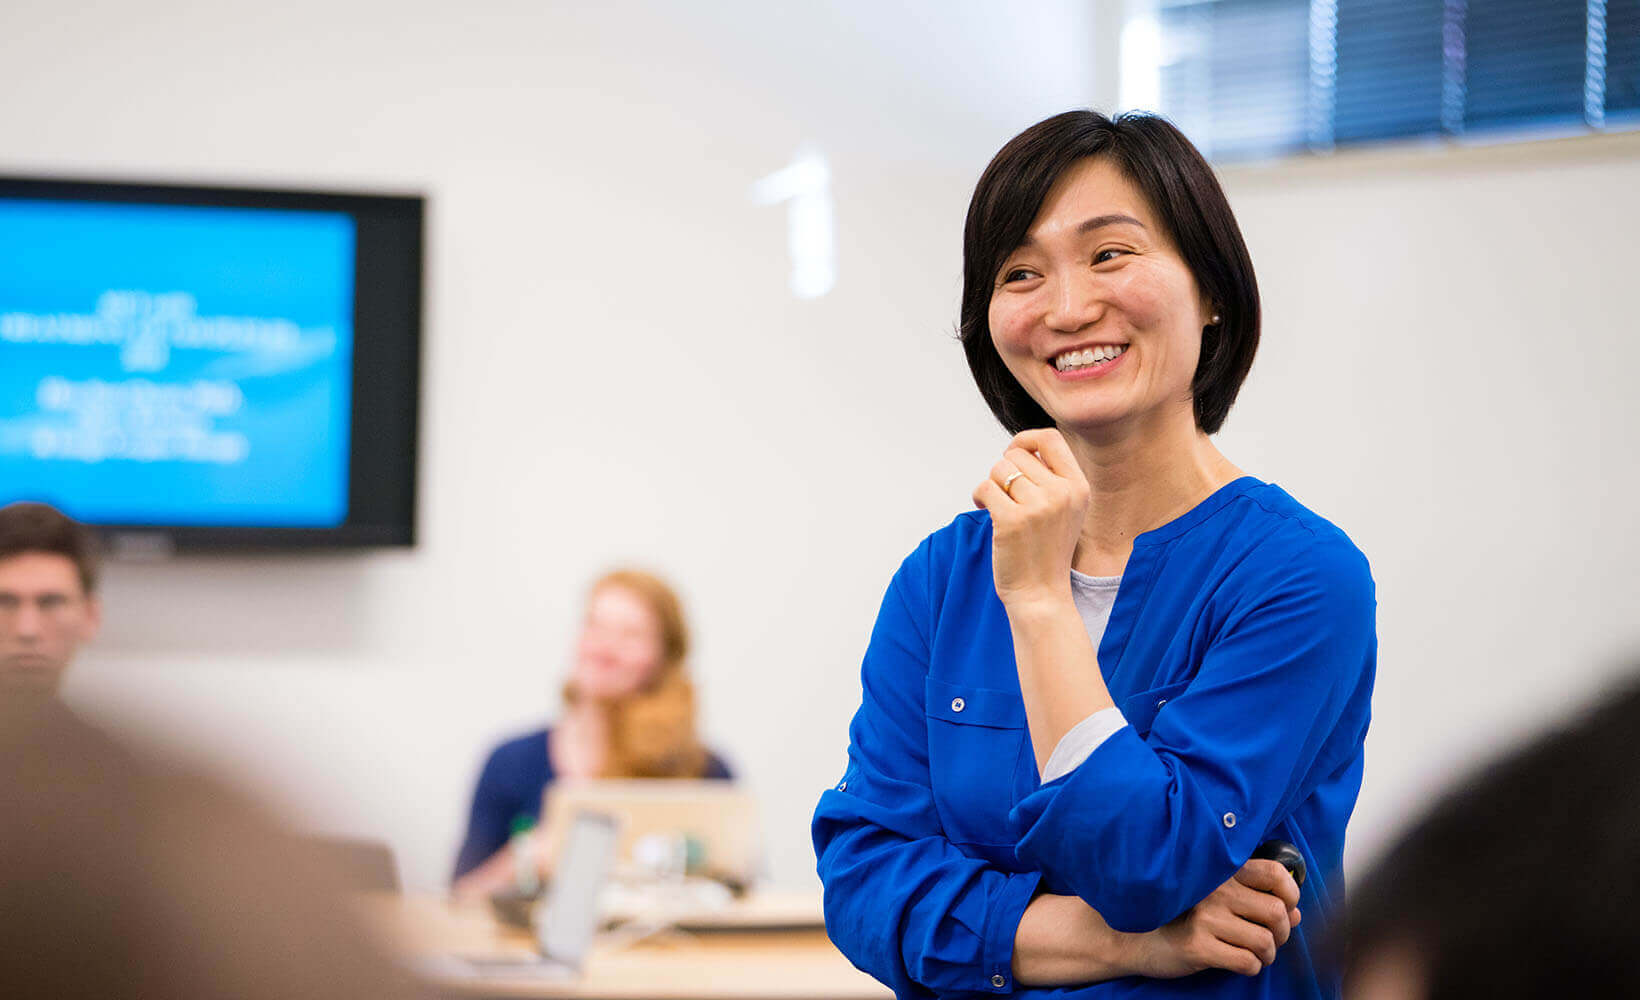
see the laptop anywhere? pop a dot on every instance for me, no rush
(567, 917)
(719, 818)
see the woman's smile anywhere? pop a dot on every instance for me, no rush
(1082, 363)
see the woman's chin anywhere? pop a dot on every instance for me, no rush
(594, 691)
(608, 689)
(1091, 423)
(1109, 420)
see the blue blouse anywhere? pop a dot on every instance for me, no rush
(1241, 652)
(511, 785)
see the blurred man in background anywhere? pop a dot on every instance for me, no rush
(48, 602)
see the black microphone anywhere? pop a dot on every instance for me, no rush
(1284, 853)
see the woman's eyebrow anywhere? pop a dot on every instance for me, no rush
(1113, 219)
(1089, 225)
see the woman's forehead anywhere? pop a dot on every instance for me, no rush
(612, 601)
(1090, 190)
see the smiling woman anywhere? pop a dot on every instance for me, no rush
(629, 712)
(1162, 199)
(1068, 750)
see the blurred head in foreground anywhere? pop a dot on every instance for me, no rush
(48, 603)
(123, 879)
(1524, 881)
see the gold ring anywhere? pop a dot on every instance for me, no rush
(1008, 483)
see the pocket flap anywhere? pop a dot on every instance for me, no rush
(974, 706)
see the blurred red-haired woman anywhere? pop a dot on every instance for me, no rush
(629, 712)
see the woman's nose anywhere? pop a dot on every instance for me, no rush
(1073, 304)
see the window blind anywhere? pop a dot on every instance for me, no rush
(1622, 51)
(1262, 77)
(1241, 77)
(1525, 61)
(1390, 69)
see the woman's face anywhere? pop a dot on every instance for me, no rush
(1096, 314)
(620, 648)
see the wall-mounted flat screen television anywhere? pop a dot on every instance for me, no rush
(209, 367)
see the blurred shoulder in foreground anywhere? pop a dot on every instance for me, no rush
(125, 877)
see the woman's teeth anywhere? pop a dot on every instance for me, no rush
(1092, 356)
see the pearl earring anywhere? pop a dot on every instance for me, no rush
(1215, 319)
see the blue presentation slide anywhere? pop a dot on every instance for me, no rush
(174, 365)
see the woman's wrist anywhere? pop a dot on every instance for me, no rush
(1058, 668)
(1141, 954)
(1040, 606)
(1062, 941)
(1120, 954)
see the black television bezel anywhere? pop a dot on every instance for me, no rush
(385, 418)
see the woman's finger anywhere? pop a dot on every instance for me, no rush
(988, 495)
(1029, 464)
(1050, 445)
(1011, 478)
(1262, 908)
(1249, 937)
(1238, 960)
(1269, 876)
(1003, 470)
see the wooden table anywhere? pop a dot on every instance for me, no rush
(781, 964)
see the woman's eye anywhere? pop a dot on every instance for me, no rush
(1016, 274)
(1108, 254)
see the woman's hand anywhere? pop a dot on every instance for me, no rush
(1036, 521)
(1238, 927)
(1062, 941)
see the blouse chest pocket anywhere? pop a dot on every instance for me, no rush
(976, 756)
(1140, 710)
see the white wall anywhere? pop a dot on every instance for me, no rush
(1448, 374)
(615, 371)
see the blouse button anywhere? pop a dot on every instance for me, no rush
(957, 704)
(1229, 820)
(997, 979)
(843, 787)
(1159, 704)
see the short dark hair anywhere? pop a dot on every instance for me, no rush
(1183, 193)
(39, 527)
(1524, 880)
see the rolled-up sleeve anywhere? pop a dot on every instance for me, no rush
(901, 901)
(1149, 825)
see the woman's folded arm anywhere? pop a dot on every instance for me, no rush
(1146, 827)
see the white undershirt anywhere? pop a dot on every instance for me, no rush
(1094, 596)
